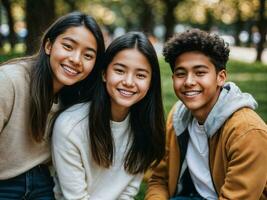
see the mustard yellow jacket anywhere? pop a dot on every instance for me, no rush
(238, 160)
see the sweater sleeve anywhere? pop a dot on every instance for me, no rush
(7, 96)
(246, 174)
(132, 189)
(68, 163)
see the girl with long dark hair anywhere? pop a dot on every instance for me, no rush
(31, 89)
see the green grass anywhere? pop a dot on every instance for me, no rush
(6, 57)
(251, 78)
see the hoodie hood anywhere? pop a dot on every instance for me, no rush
(230, 100)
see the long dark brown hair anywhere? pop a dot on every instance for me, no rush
(41, 86)
(146, 117)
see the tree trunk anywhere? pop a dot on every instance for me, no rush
(238, 28)
(39, 15)
(250, 25)
(147, 18)
(262, 30)
(12, 34)
(209, 23)
(169, 18)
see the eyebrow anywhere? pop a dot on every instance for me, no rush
(75, 42)
(125, 66)
(194, 67)
(200, 66)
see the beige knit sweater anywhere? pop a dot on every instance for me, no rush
(18, 152)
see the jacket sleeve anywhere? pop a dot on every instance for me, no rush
(68, 164)
(158, 182)
(7, 96)
(246, 175)
(132, 189)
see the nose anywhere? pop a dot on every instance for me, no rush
(76, 58)
(128, 80)
(190, 80)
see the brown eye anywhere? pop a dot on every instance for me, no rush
(88, 56)
(119, 71)
(200, 73)
(67, 46)
(180, 74)
(141, 76)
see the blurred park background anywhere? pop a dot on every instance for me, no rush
(242, 23)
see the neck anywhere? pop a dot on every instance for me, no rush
(118, 115)
(56, 87)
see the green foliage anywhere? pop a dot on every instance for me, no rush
(7, 57)
(251, 78)
(241, 67)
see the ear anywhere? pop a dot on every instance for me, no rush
(221, 77)
(48, 47)
(104, 76)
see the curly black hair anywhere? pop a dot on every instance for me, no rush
(210, 45)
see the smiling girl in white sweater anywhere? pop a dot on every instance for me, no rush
(102, 148)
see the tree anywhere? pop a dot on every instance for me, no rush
(39, 15)
(169, 19)
(238, 23)
(147, 17)
(12, 35)
(262, 21)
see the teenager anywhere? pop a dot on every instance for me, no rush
(216, 143)
(102, 148)
(29, 87)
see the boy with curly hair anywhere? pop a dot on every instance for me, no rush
(215, 142)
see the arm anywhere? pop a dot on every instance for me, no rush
(6, 99)
(68, 164)
(246, 174)
(132, 189)
(158, 188)
(158, 183)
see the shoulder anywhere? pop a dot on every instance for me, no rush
(16, 68)
(71, 127)
(244, 123)
(171, 113)
(245, 119)
(17, 72)
(14, 78)
(170, 129)
(73, 116)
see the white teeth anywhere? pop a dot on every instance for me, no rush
(126, 93)
(192, 93)
(72, 71)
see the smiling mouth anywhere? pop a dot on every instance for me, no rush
(126, 93)
(70, 70)
(191, 93)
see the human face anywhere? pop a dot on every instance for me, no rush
(127, 78)
(72, 56)
(196, 83)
